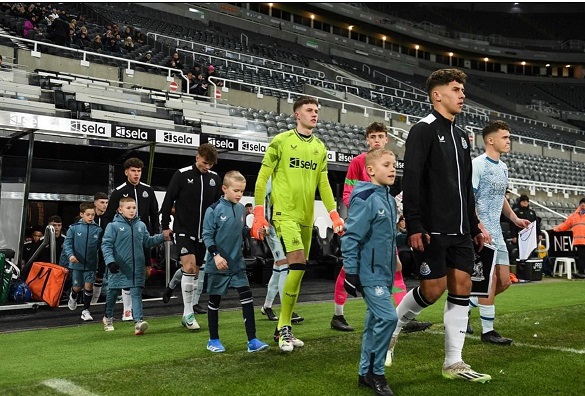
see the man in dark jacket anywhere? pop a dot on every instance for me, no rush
(439, 208)
(147, 209)
(190, 192)
(523, 211)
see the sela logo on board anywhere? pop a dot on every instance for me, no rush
(302, 164)
(91, 128)
(131, 133)
(223, 143)
(341, 157)
(253, 147)
(177, 138)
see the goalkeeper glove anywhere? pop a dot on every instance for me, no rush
(259, 223)
(337, 222)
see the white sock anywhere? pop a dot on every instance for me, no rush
(455, 321)
(487, 314)
(176, 279)
(338, 310)
(199, 286)
(272, 288)
(97, 290)
(408, 309)
(127, 300)
(282, 280)
(187, 288)
(473, 302)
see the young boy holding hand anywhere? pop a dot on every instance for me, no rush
(123, 246)
(369, 259)
(223, 228)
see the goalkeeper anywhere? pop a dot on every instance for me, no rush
(297, 162)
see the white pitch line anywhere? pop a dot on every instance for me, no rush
(67, 387)
(521, 344)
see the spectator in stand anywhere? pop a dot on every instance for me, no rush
(59, 31)
(139, 38)
(30, 25)
(189, 85)
(201, 86)
(97, 44)
(112, 46)
(82, 40)
(81, 19)
(175, 62)
(128, 44)
(128, 32)
(147, 57)
(576, 223)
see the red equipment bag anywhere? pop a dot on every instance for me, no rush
(46, 282)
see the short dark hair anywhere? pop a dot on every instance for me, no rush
(100, 195)
(208, 152)
(55, 219)
(493, 127)
(523, 197)
(133, 163)
(249, 205)
(582, 200)
(303, 100)
(444, 77)
(376, 127)
(85, 206)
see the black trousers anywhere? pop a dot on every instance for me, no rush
(581, 259)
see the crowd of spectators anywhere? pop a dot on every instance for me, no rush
(68, 30)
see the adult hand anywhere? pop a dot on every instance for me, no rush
(479, 241)
(418, 240)
(168, 234)
(486, 235)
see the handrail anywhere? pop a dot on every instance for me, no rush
(239, 54)
(363, 108)
(84, 62)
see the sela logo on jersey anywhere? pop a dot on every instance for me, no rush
(177, 138)
(441, 139)
(122, 228)
(298, 163)
(223, 143)
(91, 128)
(223, 218)
(253, 147)
(190, 181)
(79, 234)
(381, 213)
(131, 133)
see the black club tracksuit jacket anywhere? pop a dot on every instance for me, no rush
(438, 194)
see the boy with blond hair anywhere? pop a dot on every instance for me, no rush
(223, 228)
(369, 259)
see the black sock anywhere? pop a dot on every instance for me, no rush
(87, 296)
(248, 311)
(213, 316)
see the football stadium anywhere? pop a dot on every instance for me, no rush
(292, 198)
